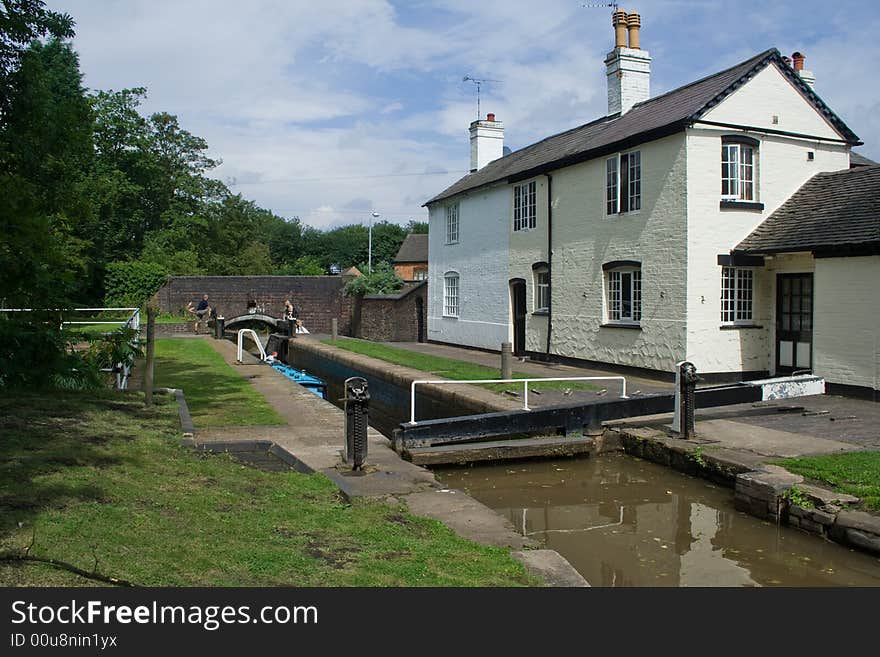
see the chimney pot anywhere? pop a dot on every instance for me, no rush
(490, 117)
(787, 60)
(618, 20)
(633, 23)
(798, 61)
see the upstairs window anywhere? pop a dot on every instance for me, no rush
(450, 294)
(623, 292)
(420, 273)
(524, 206)
(739, 160)
(452, 224)
(736, 295)
(623, 183)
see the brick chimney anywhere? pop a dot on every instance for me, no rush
(627, 67)
(487, 141)
(798, 65)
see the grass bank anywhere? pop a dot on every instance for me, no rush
(100, 482)
(448, 368)
(216, 395)
(856, 473)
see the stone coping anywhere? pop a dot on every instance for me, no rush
(764, 490)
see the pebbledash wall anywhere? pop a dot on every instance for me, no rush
(480, 257)
(317, 299)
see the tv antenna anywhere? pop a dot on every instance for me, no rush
(468, 78)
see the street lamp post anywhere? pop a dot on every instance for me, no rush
(375, 215)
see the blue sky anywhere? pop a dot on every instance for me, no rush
(331, 110)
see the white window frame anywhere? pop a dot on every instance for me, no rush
(451, 294)
(452, 223)
(741, 164)
(623, 193)
(542, 289)
(622, 283)
(420, 273)
(737, 296)
(525, 206)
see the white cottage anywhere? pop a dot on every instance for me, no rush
(615, 242)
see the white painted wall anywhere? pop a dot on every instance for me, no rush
(528, 247)
(481, 259)
(770, 94)
(846, 342)
(782, 169)
(584, 238)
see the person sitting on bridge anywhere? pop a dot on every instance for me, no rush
(201, 311)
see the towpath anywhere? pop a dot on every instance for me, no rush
(314, 435)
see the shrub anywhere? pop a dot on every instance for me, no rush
(383, 280)
(132, 282)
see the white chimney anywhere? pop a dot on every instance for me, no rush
(628, 67)
(487, 142)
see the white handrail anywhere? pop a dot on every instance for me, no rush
(525, 382)
(256, 339)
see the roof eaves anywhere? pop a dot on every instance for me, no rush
(763, 60)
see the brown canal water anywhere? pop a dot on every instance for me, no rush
(622, 521)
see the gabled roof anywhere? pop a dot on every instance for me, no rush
(413, 249)
(648, 120)
(859, 160)
(832, 213)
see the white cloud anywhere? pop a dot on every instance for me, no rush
(304, 100)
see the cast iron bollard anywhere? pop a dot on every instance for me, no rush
(219, 327)
(357, 404)
(686, 379)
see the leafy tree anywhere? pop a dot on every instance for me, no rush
(417, 227)
(21, 23)
(303, 266)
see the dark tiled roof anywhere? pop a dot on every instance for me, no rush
(859, 160)
(413, 249)
(831, 212)
(651, 119)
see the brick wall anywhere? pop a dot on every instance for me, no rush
(392, 317)
(407, 271)
(317, 299)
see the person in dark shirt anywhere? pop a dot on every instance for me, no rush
(201, 311)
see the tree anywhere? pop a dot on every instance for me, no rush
(417, 227)
(21, 23)
(46, 155)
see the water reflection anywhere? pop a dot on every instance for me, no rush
(625, 522)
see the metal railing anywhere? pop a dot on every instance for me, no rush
(255, 338)
(525, 382)
(122, 370)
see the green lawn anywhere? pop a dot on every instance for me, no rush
(856, 473)
(217, 395)
(99, 481)
(448, 368)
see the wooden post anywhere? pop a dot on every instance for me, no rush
(506, 360)
(148, 368)
(334, 329)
